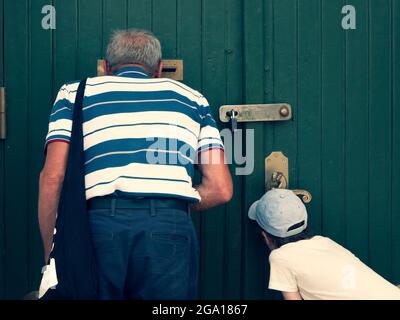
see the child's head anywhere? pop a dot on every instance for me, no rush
(281, 216)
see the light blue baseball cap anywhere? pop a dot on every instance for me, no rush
(280, 212)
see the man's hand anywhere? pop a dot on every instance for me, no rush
(292, 296)
(216, 185)
(50, 184)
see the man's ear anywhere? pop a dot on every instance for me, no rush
(265, 237)
(158, 72)
(270, 243)
(107, 68)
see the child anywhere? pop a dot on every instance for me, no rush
(311, 267)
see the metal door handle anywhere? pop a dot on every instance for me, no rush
(277, 175)
(305, 195)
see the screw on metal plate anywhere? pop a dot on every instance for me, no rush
(284, 111)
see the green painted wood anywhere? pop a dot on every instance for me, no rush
(16, 72)
(333, 122)
(280, 58)
(115, 17)
(269, 97)
(164, 26)
(285, 87)
(89, 38)
(140, 14)
(234, 95)
(65, 44)
(40, 99)
(356, 140)
(380, 138)
(254, 261)
(214, 75)
(396, 141)
(2, 181)
(189, 45)
(309, 110)
(343, 144)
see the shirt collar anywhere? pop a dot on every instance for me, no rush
(132, 72)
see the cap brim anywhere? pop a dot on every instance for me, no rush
(253, 210)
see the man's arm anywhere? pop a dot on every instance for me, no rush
(50, 184)
(216, 185)
(292, 296)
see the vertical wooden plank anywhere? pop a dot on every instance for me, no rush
(309, 107)
(140, 14)
(254, 262)
(213, 221)
(396, 141)
(189, 41)
(268, 128)
(16, 155)
(356, 178)
(189, 48)
(40, 100)
(2, 42)
(2, 182)
(234, 92)
(285, 82)
(90, 37)
(333, 121)
(115, 16)
(65, 44)
(285, 73)
(164, 26)
(380, 138)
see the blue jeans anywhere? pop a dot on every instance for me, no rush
(145, 254)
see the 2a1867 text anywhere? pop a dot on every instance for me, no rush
(200, 310)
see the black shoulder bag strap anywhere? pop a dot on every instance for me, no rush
(73, 249)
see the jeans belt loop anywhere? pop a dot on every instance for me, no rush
(152, 208)
(113, 206)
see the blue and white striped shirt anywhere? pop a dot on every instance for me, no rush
(141, 135)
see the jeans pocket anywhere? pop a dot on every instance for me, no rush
(170, 237)
(169, 245)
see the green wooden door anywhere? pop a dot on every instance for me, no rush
(2, 182)
(343, 144)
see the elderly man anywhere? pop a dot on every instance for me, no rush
(142, 136)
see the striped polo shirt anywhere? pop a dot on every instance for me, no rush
(141, 135)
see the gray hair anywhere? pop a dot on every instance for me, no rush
(134, 46)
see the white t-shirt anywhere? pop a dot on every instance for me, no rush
(321, 269)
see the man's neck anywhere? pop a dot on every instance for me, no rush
(121, 66)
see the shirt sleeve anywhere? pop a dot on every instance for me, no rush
(281, 276)
(209, 137)
(60, 123)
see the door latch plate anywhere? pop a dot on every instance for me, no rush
(276, 167)
(256, 112)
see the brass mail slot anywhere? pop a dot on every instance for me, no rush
(3, 120)
(256, 112)
(172, 69)
(101, 68)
